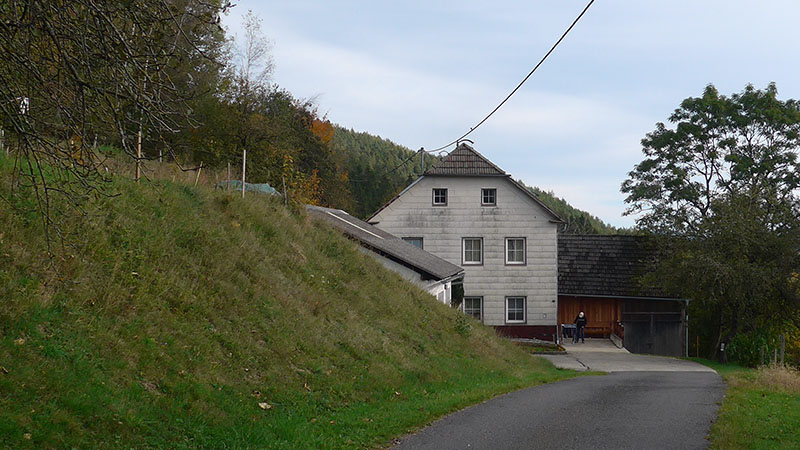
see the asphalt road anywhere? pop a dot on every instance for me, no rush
(621, 410)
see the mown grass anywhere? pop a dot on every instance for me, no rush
(761, 409)
(179, 317)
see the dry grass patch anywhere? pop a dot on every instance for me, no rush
(786, 379)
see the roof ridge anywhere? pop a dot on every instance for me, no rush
(465, 160)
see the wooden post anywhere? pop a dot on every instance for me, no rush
(160, 155)
(283, 179)
(244, 168)
(3, 141)
(228, 180)
(197, 177)
(139, 154)
(783, 347)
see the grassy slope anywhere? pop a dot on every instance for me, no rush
(182, 309)
(761, 409)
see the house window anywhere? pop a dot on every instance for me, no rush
(515, 309)
(439, 196)
(415, 241)
(515, 251)
(473, 306)
(472, 251)
(489, 197)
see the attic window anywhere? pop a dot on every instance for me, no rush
(488, 197)
(415, 241)
(439, 196)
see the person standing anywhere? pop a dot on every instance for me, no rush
(580, 328)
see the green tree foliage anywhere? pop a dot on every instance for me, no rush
(378, 168)
(721, 189)
(578, 221)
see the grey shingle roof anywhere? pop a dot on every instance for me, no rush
(431, 266)
(465, 160)
(605, 265)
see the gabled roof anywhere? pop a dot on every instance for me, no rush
(605, 265)
(417, 259)
(465, 161)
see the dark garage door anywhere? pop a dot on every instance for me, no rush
(652, 329)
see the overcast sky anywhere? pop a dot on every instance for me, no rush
(421, 73)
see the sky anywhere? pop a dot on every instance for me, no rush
(421, 73)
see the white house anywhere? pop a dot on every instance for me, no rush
(429, 272)
(468, 211)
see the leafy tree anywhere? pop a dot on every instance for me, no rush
(720, 188)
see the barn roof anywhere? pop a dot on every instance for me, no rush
(465, 161)
(605, 265)
(415, 258)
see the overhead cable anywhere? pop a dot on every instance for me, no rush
(574, 22)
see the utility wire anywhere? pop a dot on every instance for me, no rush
(403, 163)
(574, 22)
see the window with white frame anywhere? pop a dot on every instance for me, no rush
(439, 196)
(488, 196)
(473, 306)
(515, 251)
(515, 309)
(415, 241)
(472, 251)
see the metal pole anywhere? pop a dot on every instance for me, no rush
(244, 168)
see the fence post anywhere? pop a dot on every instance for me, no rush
(197, 177)
(139, 153)
(244, 167)
(783, 347)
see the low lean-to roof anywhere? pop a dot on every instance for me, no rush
(465, 161)
(605, 265)
(431, 266)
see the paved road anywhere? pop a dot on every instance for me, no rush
(622, 410)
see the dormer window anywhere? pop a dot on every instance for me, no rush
(488, 197)
(439, 196)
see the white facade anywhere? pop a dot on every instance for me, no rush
(515, 215)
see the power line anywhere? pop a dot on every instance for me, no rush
(404, 162)
(574, 22)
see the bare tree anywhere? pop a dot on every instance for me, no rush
(74, 69)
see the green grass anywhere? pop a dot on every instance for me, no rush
(761, 409)
(172, 313)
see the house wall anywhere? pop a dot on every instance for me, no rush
(516, 215)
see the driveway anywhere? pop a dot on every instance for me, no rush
(633, 407)
(602, 355)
